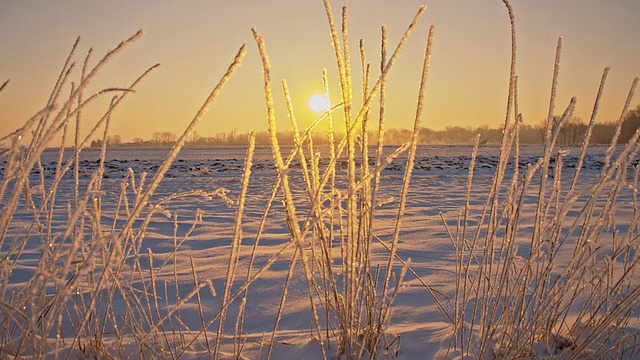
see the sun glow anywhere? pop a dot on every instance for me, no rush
(319, 103)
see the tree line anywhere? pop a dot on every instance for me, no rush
(571, 132)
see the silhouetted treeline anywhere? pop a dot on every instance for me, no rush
(571, 132)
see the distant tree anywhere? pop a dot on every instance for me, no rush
(458, 135)
(572, 132)
(164, 138)
(220, 138)
(114, 140)
(262, 138)
(397, 136)
(285, 137)
(487, 134)
(426, 136)
(603, 133)
(530, 134)
(137, 140)
(630, 125)
(233, 136)
(194, 138)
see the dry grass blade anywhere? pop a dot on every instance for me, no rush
(564, 297)
(4, 85)
(545, 256)
(142, 200)
(409, 169)
(282, 173)
(236, 242)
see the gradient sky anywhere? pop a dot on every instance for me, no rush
(195, 40)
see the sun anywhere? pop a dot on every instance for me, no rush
(319, 103)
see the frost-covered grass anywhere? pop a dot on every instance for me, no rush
(325, 258)
(549, 268)
(570, 289)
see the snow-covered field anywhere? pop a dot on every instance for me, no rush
(504, 252)
(151, 297)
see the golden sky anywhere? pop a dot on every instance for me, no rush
(195, 41)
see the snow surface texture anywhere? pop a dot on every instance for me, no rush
(176, 252)
(194, 162)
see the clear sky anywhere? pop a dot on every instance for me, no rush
(195, 41)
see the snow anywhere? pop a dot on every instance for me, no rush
(418, 328)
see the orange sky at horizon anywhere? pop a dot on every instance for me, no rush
(196, 40)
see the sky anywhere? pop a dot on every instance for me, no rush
(195, 41)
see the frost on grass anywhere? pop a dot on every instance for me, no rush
(307, 251)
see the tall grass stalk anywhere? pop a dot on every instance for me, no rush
(81, 267)
(359, 287)
(292, 219)
(544, 277)
(348, 293)
(236, 242)
(568, 291)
